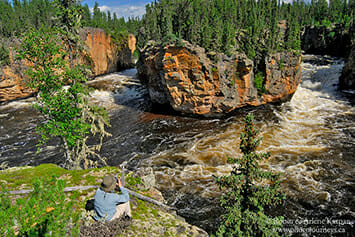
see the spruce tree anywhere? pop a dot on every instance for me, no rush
(248, 190)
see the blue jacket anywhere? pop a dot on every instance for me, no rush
(105, 203)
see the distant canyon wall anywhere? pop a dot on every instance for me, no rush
(347, 78)
(104, 55)
(193, 81)
(334, 40)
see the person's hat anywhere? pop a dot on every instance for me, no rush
(108, 183)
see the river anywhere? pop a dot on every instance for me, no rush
(311, 139)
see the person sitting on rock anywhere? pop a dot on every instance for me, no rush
(108, 204)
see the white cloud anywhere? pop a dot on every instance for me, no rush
(105, 8)
(125, 10)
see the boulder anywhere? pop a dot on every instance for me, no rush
(193, 81)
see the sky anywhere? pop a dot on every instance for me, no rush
(123, 8)
(126, 8)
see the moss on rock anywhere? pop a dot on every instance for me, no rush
(148, 219)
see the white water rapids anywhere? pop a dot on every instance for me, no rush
(311, 139)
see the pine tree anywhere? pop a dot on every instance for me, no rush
(248, 191)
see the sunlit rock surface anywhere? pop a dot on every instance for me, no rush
(193, 81)
(103, 54)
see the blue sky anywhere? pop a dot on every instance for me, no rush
(126, 8)
(123, 8)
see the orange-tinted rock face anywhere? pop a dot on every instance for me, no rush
(192, 83)
(101, 51)
(106, 57)
(283, 74)
(12, 85)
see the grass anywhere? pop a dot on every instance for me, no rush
(24, 176)
(148, 219)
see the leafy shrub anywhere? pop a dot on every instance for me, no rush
(43, 212)
(331, 34)
(259, 83)
(4, 55)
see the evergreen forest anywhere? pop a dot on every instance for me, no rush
(19, 16)
(257, 28)
(253, 27)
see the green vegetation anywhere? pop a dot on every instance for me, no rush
(47, 210)
(63, 97)
(18, 16)
(69, 214)
(250, 26)
(41, 212)
(219, 25)
(259, 83)
(4, 55)
(24, 176)
(248, 190)
(253, 27)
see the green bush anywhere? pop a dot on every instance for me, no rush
(259, 83)
(4, 55)
(43, 212)
(172, 39)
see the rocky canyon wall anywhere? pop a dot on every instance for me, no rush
(104, 55)
(193, 81)
(347, 78)
(334, 40)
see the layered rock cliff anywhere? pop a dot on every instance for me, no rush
(104, 55)
(331, 40)
(12, 80)
(334, 40)
(347, 78)
(193, 81)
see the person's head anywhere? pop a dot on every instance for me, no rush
(108, 183)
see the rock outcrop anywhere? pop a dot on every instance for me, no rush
(104, 55)
(107, 55)
(12, 83)
(333, 40)
(347, 78)
(194, 82)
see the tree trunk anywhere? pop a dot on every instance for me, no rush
(75, 188)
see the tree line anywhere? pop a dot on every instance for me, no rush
(250, 26)
(226, 26)
(18, 16)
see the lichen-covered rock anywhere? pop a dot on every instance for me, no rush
(194, 82)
